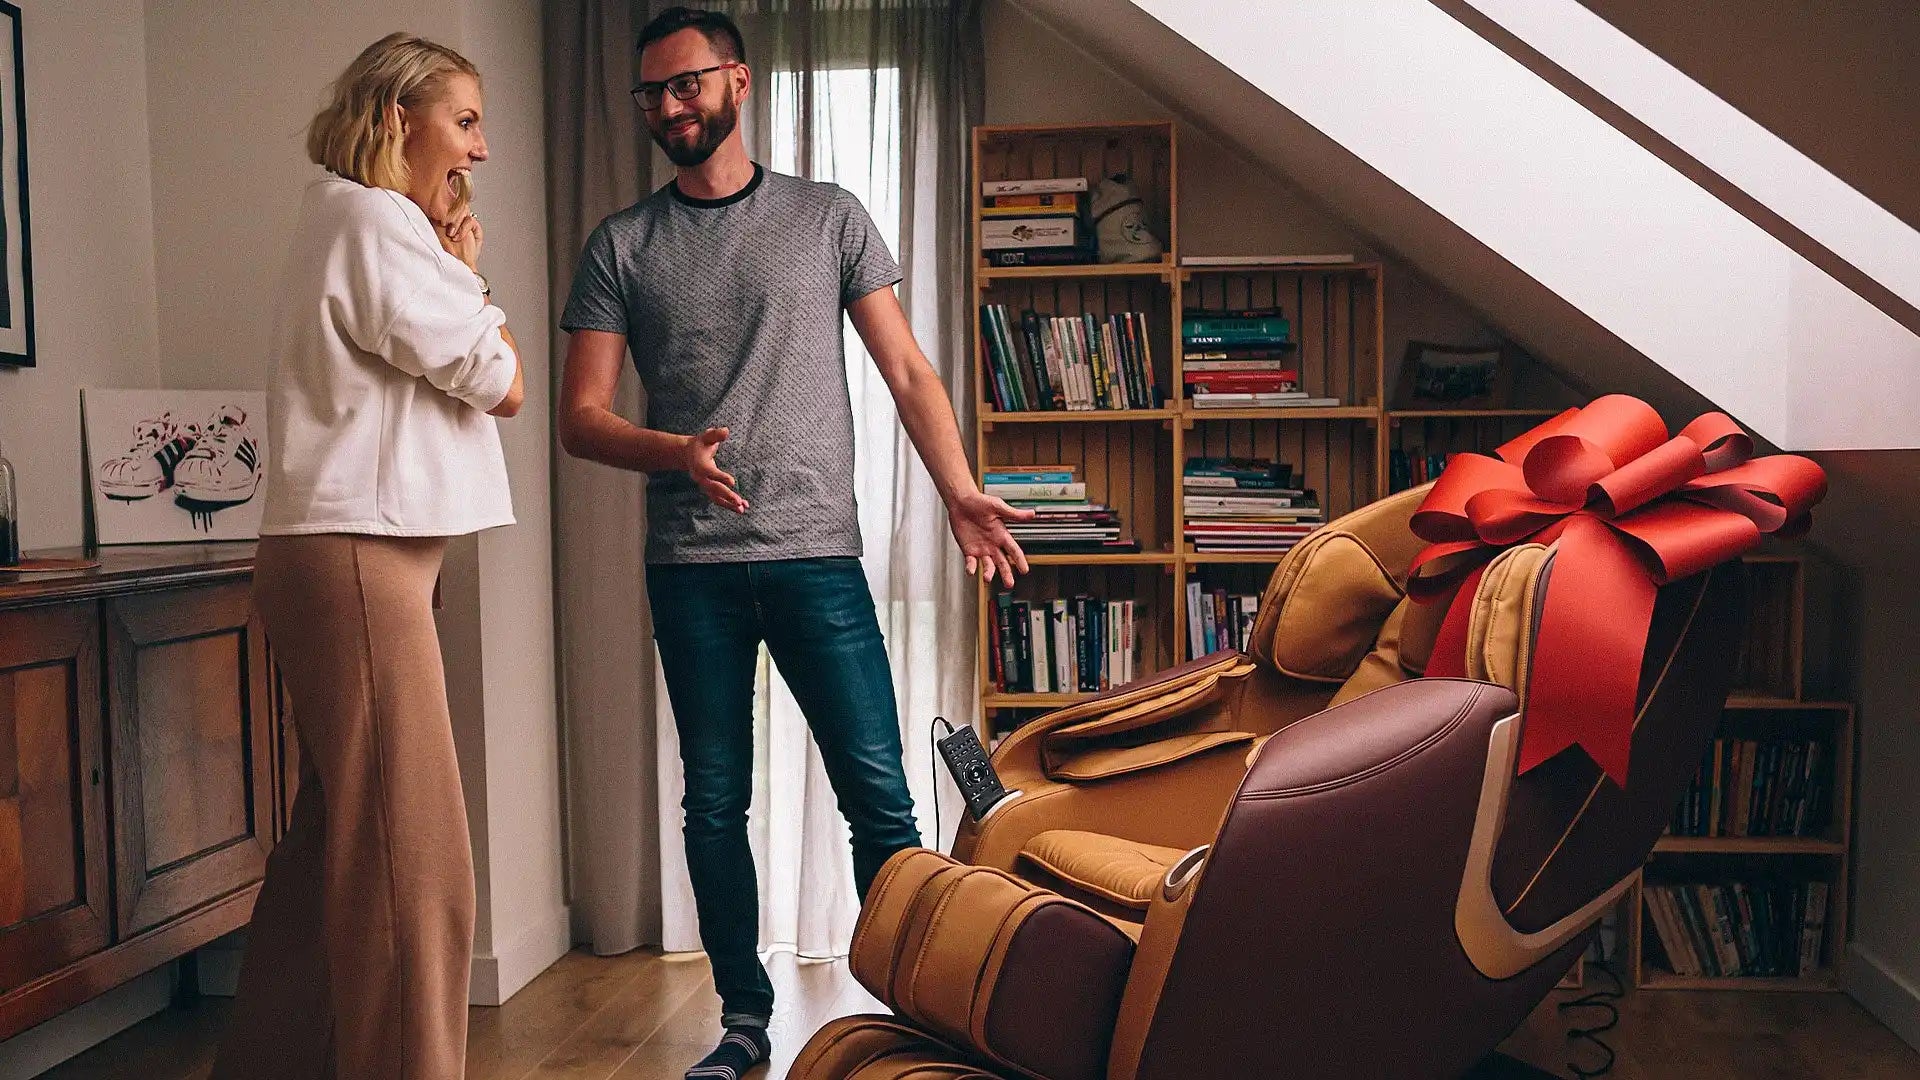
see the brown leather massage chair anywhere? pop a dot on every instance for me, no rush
(1307, 861)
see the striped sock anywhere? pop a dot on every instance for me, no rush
(743, 1047)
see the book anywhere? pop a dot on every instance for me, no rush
(1030, 232)
(1067, 199)
(1034, 186)
(1051, 256)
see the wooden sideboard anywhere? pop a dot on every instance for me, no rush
(146, 768)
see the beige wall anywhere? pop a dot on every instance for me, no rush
(91, 221)
(231, 86)
(1867, 524)
(1883, 965)
(530, 921)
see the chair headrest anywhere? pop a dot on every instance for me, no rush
(1506, 609)
(1327, 601)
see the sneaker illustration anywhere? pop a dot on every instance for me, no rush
(224, 466)
(159, 445)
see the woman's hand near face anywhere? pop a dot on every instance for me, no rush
(462, 238)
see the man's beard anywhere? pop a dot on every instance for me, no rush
(714, 127)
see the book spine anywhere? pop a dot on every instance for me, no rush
(1022, 678)
(1042, 637)
(1143, 331)
(996, 381)
(1042, 364)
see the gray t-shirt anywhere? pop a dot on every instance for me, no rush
(731, 309)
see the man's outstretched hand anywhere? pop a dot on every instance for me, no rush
(979, 523)
(716, 483)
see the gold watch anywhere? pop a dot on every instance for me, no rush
(486, 290)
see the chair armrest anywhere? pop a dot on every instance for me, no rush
(1177, 805)
(1022, 753)
(1021, 976)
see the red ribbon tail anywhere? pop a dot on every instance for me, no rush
(1449, 659)
(1587, 652)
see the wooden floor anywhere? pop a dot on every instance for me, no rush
(641, 1017)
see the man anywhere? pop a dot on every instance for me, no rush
(728, 285)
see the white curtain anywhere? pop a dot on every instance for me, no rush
(880, 97)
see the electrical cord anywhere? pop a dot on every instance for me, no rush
(1598, 999)
(933, 768)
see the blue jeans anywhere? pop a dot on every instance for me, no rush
(817, 620)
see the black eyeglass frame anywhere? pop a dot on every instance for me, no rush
(666, 86)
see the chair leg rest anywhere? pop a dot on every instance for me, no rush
(877, 1047)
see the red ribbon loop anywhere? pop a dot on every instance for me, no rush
(1631, 508)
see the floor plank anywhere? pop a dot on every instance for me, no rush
(630, 1020)
(644, 1017)
(509, 1042)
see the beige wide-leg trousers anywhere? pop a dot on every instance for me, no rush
(357, 959)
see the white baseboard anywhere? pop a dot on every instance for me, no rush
(85, 1026)
(500, 976)
(1891, 999)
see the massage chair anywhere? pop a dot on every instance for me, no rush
(1308, 860)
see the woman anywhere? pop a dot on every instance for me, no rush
(390, 363)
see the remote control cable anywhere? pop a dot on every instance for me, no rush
(933, 769)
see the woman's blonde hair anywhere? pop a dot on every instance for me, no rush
(355, 135)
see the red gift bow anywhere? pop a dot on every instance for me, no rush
(1632, 509)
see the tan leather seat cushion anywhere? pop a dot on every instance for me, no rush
(1124, 872)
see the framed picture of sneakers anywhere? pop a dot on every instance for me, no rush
(16, 276)
(171, 466)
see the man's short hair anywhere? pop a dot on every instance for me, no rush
(715, 26)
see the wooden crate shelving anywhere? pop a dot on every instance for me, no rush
(1765, 707)
(1134, 459)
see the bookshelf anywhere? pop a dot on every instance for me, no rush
(1770, 811)
(1133, 459)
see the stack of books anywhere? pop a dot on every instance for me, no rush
(1064, 522)
(1038, 222)
(1241, 358)
(1246, 505)
(1042, 362)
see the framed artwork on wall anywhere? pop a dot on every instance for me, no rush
(166, 466)
(16, 277)
(1434, 375)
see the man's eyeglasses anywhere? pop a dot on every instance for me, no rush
(684, 86)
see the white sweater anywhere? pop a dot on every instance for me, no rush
(386, 358)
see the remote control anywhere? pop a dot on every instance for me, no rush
(972, 772)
